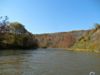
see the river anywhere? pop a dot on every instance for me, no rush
(48, 62)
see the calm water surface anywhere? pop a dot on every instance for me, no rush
(48, 62)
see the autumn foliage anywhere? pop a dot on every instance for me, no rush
(58, 40)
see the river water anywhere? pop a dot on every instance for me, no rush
(48, 62)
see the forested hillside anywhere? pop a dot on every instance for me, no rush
(90, 41)
(14, 35)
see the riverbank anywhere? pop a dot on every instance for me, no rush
(77, 50)
(83, 50)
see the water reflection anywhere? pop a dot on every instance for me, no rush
(48, 62)
(12, 62)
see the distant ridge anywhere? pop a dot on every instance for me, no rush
(80, 40)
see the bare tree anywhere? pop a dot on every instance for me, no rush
(0, 21)
(0, 17)
(3, 23)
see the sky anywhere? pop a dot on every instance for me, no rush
(48, 16)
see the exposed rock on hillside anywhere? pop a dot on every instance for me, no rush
(59, 40)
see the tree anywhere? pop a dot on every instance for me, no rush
(97, 26)
(4, 21)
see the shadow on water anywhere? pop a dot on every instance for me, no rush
(9, 52)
